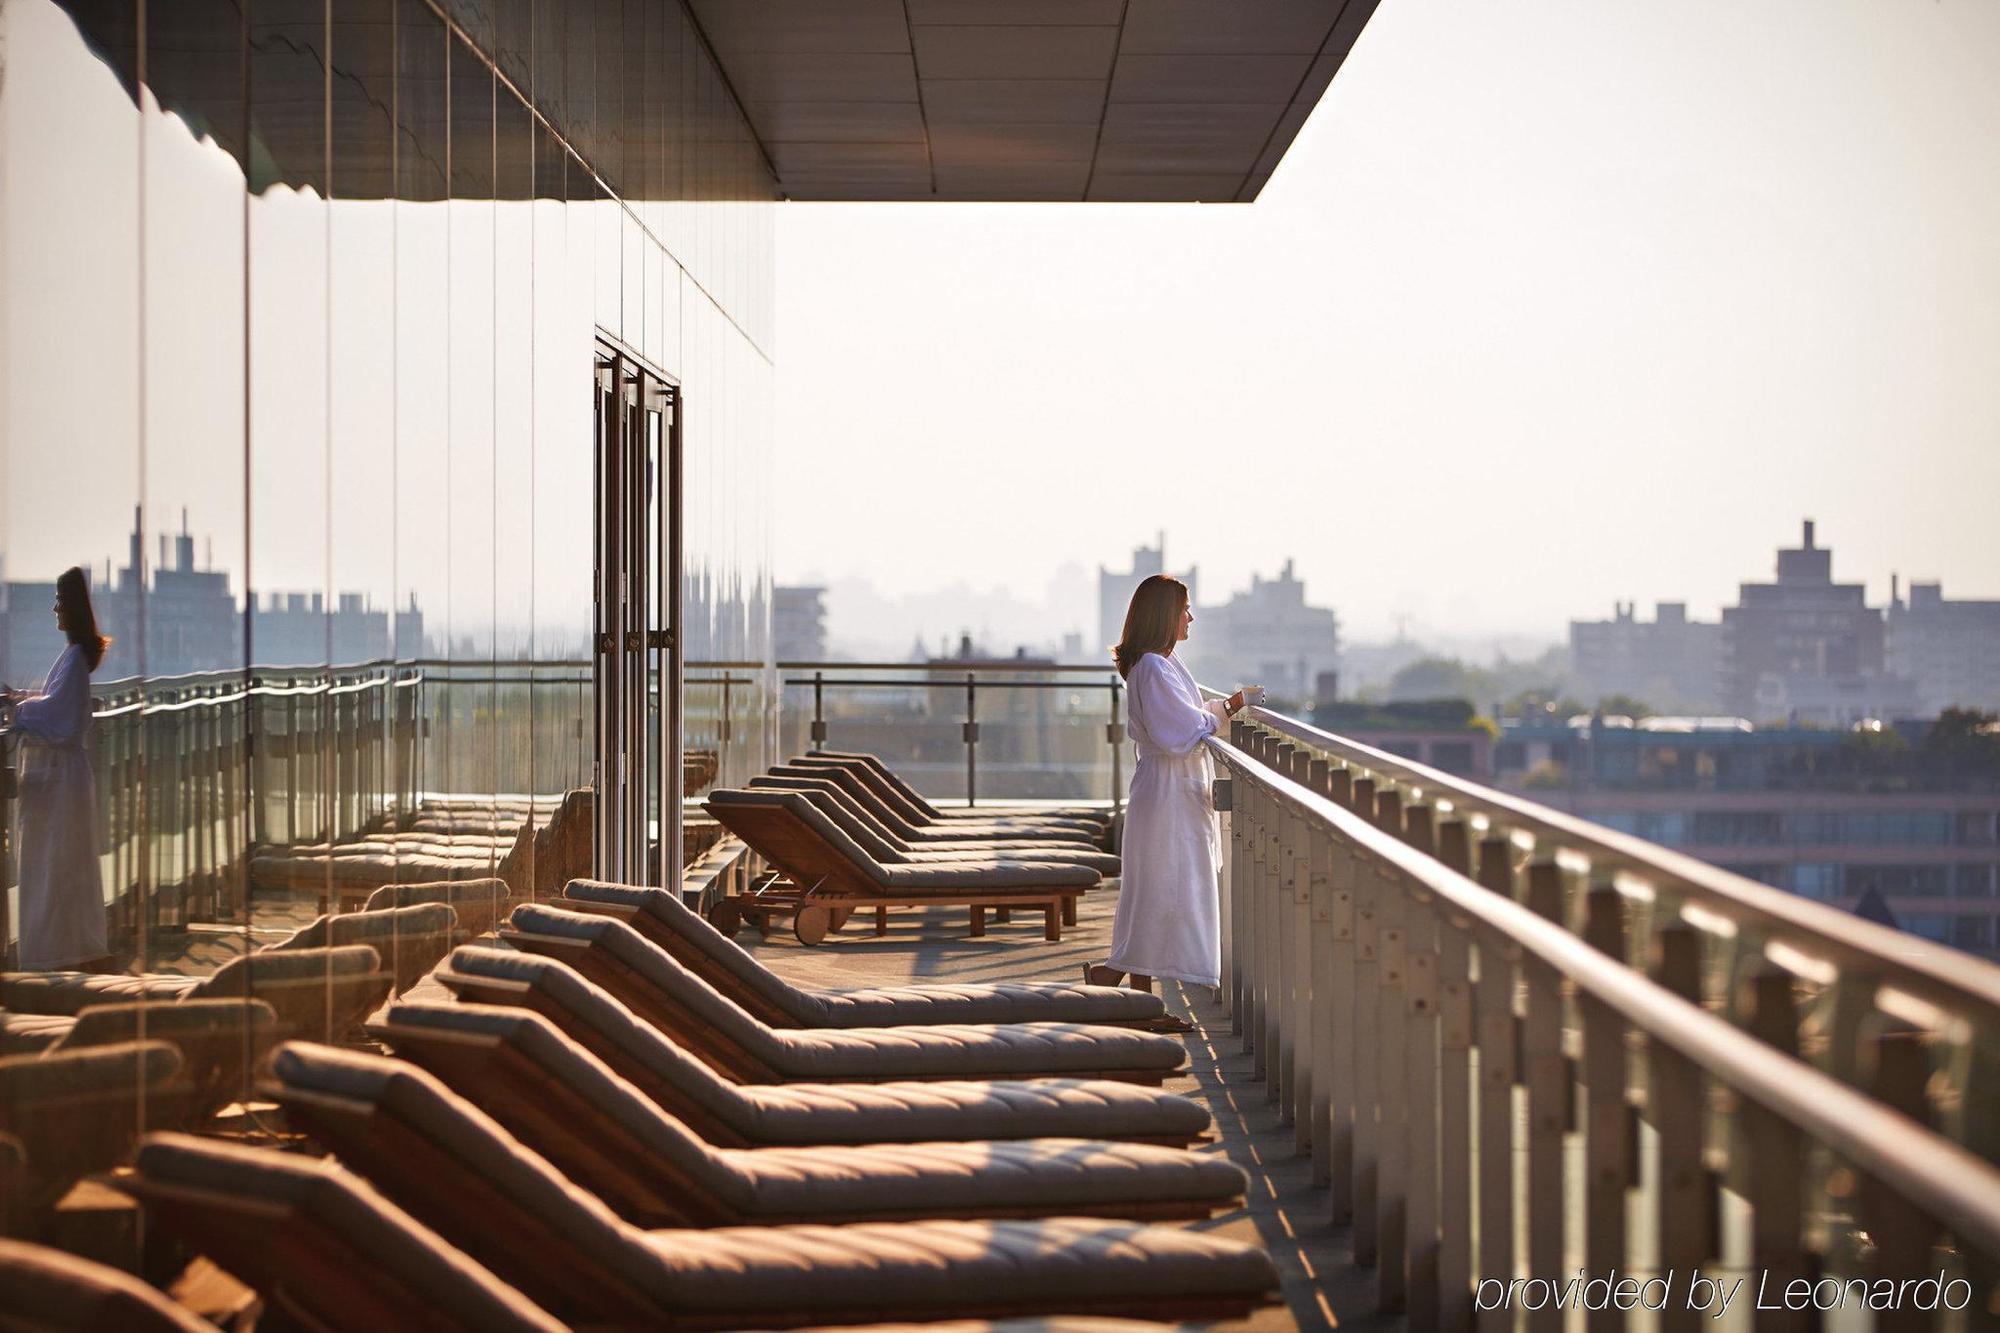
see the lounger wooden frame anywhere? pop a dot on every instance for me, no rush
(826, 878)
(545, 1264)
(81, 1132)
(472, 988)
(589, 1147)
(715, 974)
(296, 1262)
(638, 993)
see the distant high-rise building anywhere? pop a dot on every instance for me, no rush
(798, 624)
(1950, 650)
(1266, 636)
(1115, 587)
(1805, 645)
(1668, 662)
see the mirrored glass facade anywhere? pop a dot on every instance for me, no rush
(306, 312)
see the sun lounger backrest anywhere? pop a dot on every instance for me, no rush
(250, 1021)
(374, 927)
(247, 973)
(868, 832)
(599, 1011)
(48, 1289)
(480, 903)
(889, 777)
(667, 909)
(72, 992)
(809, 819)
(854, 782)
(884, 793)
(543, 1213)
(701, 1002)
(337, 1205)
(31, 1081)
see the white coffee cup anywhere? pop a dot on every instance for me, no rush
(1253, 695)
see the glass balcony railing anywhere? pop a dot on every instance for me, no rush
(986, 731)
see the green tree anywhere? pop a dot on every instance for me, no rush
(1434, 678)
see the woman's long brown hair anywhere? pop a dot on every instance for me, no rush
(1152, 621)
(73, 596)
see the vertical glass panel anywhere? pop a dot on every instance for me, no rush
(514, 387)
(70, 434)
(421, 554)
(288, 648)
(468, 501)
(199, 808)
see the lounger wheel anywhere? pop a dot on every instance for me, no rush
(840, 917)
(812, 923)
(725, 916)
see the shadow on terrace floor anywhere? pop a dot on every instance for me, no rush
(1285, 1213)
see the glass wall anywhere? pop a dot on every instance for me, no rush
(299, 307)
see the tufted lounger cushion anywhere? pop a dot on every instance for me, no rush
(728, 965)
(481, 904)
(825, 1055)
(888, 781)
(879, 842)
(913, 879)
(917, 830)
(395, 1246)
(831, 1183)
(804, 1113)
(883, 1269)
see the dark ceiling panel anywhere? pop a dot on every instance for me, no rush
(1028, 99)
(1039, 52)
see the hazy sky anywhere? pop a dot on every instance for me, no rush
(1549, 304)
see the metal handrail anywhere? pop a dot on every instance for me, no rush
(1946, 1181)
(1942, 977)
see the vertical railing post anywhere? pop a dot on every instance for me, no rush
(1494, 1009)
(1114, 732)
(1270, 933)
(1392, 1065)
(1421, 927)
(1240, 820)
(1455, 1036)
(1340, 1008)
(1367, 1038)
(1771, 1155)
(1904, 1236)
(1607, 1151)
(1677, 1106)
(819, 711)
(1548, 1084)
(1284, 898)
(971, 739)
(1319, 969)
(1299, 1093)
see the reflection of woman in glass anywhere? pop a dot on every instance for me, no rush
(1168, 924)
(62, 897)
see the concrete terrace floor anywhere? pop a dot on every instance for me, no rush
(1285, 1213)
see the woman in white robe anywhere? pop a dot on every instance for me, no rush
(62, 894)
(1169, 921)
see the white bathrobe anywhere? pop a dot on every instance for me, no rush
(1169, 921)
(62, 895)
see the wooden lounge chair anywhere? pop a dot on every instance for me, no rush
(883, 843)
(860, 785)
(410, 939)
(322, 1247)
(48, 1291)
(321, 993)
(481, 904)
(722, 963)
(220, 1041)
(509, 1209)
(657, 1171)
(830, 871)
(606, 1136)
(736, 1115)
(920, 808)
(662, 992)
(78, 1112)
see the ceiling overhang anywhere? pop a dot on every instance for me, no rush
(1043, 100)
